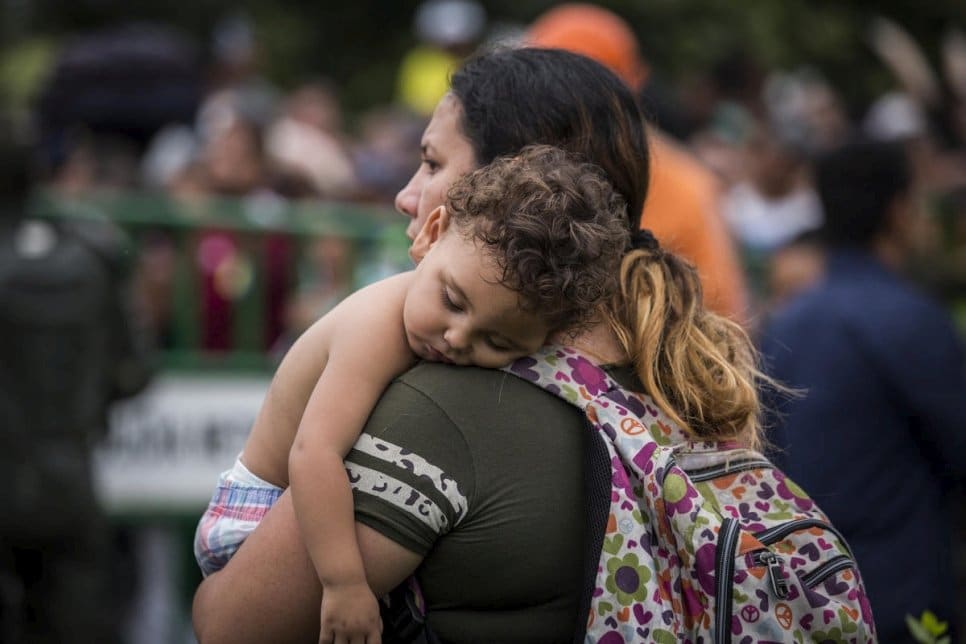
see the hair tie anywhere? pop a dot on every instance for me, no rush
(644, 239)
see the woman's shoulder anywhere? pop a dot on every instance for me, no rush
(466, 394)
(446, 383)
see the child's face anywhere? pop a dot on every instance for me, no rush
(456, 310)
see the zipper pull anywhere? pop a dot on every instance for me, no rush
(775, 576)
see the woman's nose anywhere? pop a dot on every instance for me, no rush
(407, 199)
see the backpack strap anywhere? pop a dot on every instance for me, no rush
(596, 488)
(567, 373)
(403, 613)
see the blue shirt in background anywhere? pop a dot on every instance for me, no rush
(878, 439)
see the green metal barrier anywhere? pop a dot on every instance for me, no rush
(265, 245)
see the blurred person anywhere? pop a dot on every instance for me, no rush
(939, 93)
(927, 109)
(386, 151)
(898, 116)
(772, 204)
(308, 140)
(82, 162)
(806, 110)
(170, 167)
(728, 100)
(233, 165)
(794, 267)
(231, 120)
(877, 436)
(776, 202)
(722, 143)
(234, 159)
(447, 31)
(324, 280)
(772, 200)
(237, 88)
(68, 347)
(738, 79)
(167, 156)
(683, 203)
(231, 170)
(188, 185)
(307, 144)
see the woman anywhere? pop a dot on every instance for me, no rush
(471, 478)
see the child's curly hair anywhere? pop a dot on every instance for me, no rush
(555, 226)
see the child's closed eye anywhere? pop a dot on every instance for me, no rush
(499, 345)
(449, 303)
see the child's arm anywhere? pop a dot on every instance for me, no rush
(367, 350)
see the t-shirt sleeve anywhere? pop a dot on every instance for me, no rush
(410, 471)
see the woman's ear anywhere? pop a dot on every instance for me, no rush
(432, 231)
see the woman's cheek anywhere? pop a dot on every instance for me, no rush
(442, 184)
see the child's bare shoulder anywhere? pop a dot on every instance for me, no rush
(372, 305)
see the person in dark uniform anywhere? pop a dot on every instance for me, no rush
(67, 348)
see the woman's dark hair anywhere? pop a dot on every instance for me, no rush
(700, 368)
(517, 97)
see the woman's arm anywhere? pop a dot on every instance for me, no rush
(368, 348)
(269, 592)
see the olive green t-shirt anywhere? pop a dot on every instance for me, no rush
(481, 473)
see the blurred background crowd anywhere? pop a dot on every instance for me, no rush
(237, 164)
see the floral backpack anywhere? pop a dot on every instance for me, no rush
(704, 542)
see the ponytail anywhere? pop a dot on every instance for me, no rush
(699, 367)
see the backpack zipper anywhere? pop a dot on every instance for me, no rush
(778, 584)
(724, 574)
(773, 535)
(830, 567)
(742, 465)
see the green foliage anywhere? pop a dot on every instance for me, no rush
(928, 629)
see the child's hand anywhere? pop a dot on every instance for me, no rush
(350, 615)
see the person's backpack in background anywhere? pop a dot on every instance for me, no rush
(66, 350)
(702, 542)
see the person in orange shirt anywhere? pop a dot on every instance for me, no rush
(682, 207)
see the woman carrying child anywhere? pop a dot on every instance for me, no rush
(467, 477)
(525, 247)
